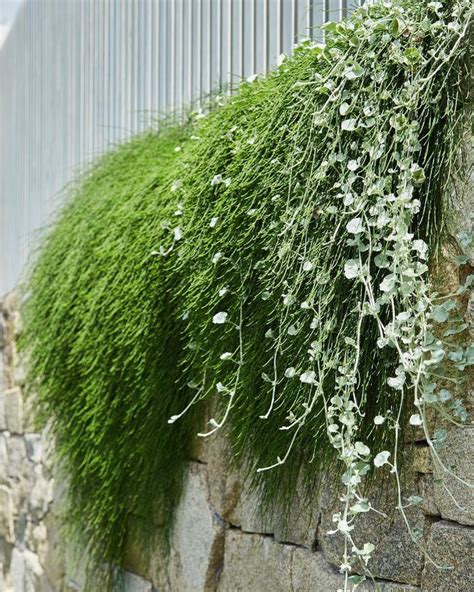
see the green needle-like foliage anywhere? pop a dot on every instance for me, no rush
(227, 269)
(103, 347)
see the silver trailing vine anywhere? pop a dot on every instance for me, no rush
(377, 205)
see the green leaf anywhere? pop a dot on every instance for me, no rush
(465, 239)
(455, 330)
(461, 259)
(362, 467)
(396, 26)
(356, 580)
(352, 269)
(355, 71)
(382, 261)
(444, 395)
(439, 314)
(344, 108)
(457, 355)
(450, 304)
(436, 6)
(418, 175)
(329, 26)
(439, 437)
(412, 55)
(436, 356)
(470, 355)
(349, 125)
(396, 382)
(388, 283)
(355, 226)
(467, 284)
(360, 507)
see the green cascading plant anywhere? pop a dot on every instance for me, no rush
(103, 350)
(278, 263)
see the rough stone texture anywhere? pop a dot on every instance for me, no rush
(233, 499)
(389, 587)
(422, 461)
(238, 504)
(255, 563)
(13, 408)
(134, 583)
(26, 542)
(246, 513)
(3, 418)
(458, 453)
(312, 573)
(223, 484)
(221, 543)
(6, 514)
(147, 559)
(197, 543)
(452, 546)
(396, 556)
(4, 461)
(51, 550)
(27, 574)
(426, 490)
(299, 527)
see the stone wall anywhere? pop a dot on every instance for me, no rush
(220, 543)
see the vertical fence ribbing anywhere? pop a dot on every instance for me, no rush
(79, 76)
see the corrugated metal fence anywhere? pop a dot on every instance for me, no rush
(76, 76)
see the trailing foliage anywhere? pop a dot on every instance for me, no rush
(278, 262)
(103, 348)
(324, 180)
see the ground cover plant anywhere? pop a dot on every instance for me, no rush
(272, 255)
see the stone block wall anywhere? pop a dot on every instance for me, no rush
(220, 543)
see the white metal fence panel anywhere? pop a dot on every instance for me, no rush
(77, 76)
